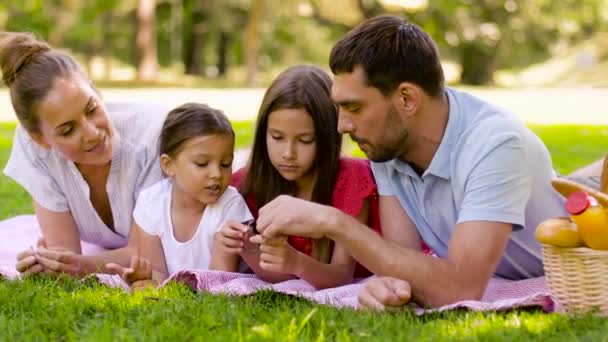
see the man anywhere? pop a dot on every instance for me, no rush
(467, 177)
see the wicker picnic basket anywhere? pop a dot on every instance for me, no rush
(578, 277)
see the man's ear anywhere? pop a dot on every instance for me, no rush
(166, 164)
(39, 139)
(409, 98)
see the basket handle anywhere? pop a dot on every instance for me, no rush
(604, 178)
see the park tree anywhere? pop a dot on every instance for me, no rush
(145, 40)
(251, 40)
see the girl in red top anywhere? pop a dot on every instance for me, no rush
(296, 152)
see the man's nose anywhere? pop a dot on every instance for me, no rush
(345, 124)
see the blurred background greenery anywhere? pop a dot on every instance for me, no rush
(238, 43)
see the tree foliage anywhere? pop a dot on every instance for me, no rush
(208, 37)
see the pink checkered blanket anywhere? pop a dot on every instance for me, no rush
(21, 232)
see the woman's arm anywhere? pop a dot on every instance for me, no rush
(59, 232)
(66, 261)
(59, 229)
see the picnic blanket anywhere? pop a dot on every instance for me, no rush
(21, 232)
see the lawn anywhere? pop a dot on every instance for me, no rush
(43, 308)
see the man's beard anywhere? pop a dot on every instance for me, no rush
(393, 145)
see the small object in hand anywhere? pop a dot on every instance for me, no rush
(252, 226)
(250, 247)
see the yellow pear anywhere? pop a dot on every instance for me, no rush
(561, 232)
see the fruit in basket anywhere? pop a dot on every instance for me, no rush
(561, 232)
(590, 218)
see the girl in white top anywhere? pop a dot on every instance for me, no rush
(82, 163)
(176, 219)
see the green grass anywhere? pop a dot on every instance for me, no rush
(65, 309)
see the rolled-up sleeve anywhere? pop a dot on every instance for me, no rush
(26, 167)
(499, 186)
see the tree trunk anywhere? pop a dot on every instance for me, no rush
(176, 33)
(222, 53)
(65, 17)
(145, 41)
(251, 41)
(106, 44)
(478, 63)
(194, 46)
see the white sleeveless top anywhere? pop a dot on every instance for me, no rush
(153, 214)
(56, 184)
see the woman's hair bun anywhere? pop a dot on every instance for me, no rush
(17, 49)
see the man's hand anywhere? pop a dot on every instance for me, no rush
(286, 215)
(276, 254)
(384, 294)
(140, 270)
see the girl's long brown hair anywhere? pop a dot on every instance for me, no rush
(299, 87)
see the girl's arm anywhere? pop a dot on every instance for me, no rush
(147, 264)
(252, 258)
(149, 247)
(229, 245)
(221, 259)
(320, 275)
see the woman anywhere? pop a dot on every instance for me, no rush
(82, 162)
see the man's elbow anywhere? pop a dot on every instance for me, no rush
(457, 294)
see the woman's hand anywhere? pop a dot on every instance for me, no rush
(62, 260)
(27, 263)
(50, 260)
(140, 270)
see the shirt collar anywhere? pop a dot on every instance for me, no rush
(116, 151)
(440, 164)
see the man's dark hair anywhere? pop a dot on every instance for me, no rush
(390, 51)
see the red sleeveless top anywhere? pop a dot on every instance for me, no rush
(354, 184)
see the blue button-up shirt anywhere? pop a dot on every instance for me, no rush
(489, 167)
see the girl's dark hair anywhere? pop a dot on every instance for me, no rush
(188, 121)
(308, 88)
(29, 68)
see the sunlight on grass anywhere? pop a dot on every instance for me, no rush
(44, 308)
(68, 309)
